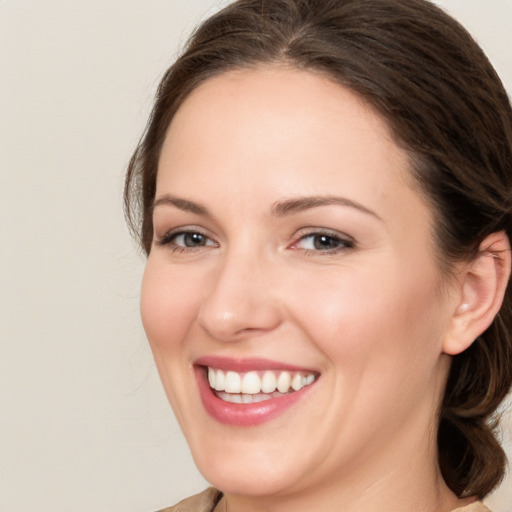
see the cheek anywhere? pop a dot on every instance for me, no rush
(167, 306)
(377, 333)
(372, 316)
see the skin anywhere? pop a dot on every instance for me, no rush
(373, 317)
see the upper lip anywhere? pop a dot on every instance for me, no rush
(242, 365)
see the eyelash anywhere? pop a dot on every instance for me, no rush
(342, 242)
(170, 239)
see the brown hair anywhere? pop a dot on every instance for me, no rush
(445, 105)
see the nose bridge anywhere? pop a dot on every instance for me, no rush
(239, 300)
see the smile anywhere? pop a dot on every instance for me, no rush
(252, 387)
(249, 392)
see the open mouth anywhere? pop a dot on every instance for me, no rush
(256, 386)
(249, 393)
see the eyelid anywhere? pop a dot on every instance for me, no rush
(166, 239)
(346, 241)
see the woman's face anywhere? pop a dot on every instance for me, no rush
(290, 250)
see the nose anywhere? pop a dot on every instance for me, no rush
(239, 299)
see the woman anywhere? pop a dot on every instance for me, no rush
(323, 193)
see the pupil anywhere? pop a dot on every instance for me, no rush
(325, 242)
(194, 239)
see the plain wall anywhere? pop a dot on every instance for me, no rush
(84, 423)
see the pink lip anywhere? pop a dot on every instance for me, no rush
(247, 365)
(244, 415)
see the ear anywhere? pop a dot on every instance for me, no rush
(482, 287)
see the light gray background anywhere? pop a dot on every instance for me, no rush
(84, 424)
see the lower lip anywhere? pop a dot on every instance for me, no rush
(244, 415)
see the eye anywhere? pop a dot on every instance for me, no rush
(191, 240)
(187, 240)
(323, 242)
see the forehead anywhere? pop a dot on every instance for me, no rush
(274, 104)
(279, 131)
(267, 94)
(297, 122)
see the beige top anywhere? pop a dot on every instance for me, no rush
(207, 500)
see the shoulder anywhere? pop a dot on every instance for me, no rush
(203, 502)
(478, 506)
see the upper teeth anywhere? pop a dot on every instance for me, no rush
(251, 383)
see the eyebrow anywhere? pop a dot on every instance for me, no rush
(279, 208)
(182, 204)
(295, 205)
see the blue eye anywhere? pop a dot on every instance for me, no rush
(323, 242)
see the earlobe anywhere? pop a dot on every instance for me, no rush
(483, 287)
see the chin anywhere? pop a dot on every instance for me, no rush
(248, 472)
(249, 481)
